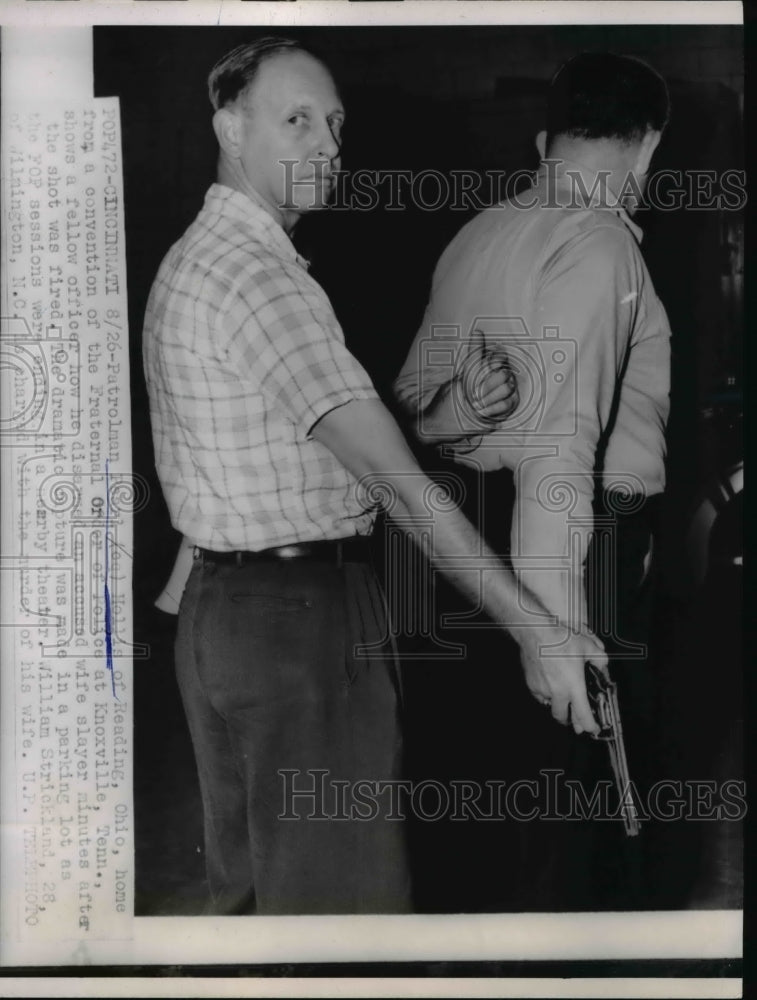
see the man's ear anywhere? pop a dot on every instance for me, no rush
(228, 129)
(649, 144)
(541, 144)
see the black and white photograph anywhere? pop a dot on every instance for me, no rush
(419, 594)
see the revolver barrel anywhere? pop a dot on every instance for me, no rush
(603, 697)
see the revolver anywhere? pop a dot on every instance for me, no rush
(603, 698)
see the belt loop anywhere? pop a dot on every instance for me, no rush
(339, 555)
(238, 556)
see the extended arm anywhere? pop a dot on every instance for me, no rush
(366, 439)
(587, 293)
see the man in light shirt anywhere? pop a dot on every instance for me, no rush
(552, 287)
(273, 448)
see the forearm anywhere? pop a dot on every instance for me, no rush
(439, 421)
(430, 415)
(459, 406)
(549, 545)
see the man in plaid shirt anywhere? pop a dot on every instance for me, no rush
(264, 424)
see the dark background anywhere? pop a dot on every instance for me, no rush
(458, 99)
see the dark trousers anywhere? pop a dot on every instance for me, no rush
(590, 863)
(285, 717)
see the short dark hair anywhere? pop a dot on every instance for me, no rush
(600, 95)
(234, 72)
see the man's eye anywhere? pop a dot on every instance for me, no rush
(297, 119)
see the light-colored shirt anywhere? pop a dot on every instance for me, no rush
(557, 284)
(243, 355)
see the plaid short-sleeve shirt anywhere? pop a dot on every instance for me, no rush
(243, 355)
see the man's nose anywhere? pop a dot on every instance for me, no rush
(329, 144)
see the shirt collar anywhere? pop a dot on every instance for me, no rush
(577, 186)
(233, 204)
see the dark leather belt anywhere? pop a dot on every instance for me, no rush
(356, 549)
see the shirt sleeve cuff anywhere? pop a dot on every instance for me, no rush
(331, 402)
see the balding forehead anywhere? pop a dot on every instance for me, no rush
(289, 76)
